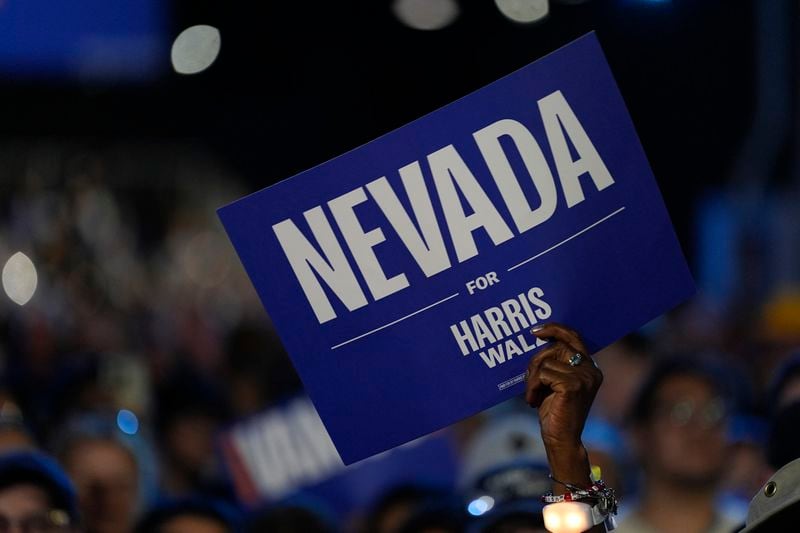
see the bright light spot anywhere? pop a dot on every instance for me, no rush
(567, 517)
(480, 505)
(552, 521)
(574, 520)
(127, 422)
(426, 14)
(195, 49)
(19, 278)
(524, 11)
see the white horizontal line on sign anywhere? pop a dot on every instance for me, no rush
(584, 230)
(418, 311)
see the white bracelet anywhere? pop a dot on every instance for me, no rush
(573, 517)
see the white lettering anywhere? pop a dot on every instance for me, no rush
(488, 140)
(495, 356)
(482, 332)
(449, 170)
(544, 310)
(463, 336)
(333, 269)
(559, 119)
(361, 244)
(428, 249)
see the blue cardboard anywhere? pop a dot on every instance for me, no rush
(403, 276)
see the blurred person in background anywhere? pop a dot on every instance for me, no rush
(776, 505)
(747, 468)
(753, 453)
(396, 506)
(625, 364)
(95, 384)
(31, 370)
(508, 499)
(504, 473)
(785, 386)
(443, 516)
(257, 370)
(783, 443)
(287, 519)
(111, 463)
(190, 515)
(678, 427)
(189, 411)
(14, 435)
(776, 341)
(35, 495)
(106, 477)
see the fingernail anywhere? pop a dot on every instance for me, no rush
(534, 329)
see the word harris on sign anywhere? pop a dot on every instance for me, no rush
(403, 276)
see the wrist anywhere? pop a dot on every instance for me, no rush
(565, 444)
(569, 463)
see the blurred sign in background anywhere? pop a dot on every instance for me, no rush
(91, 41)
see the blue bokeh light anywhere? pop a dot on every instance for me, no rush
(480, 506)
(127, 422)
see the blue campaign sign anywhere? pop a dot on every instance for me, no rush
(403, 276)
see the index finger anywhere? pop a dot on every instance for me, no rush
(561, 333)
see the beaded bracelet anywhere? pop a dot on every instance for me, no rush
(604, 497)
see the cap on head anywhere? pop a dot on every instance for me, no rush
(166, 510)
(507, 439)
(41, 470)
(506, 472)
(777, 504)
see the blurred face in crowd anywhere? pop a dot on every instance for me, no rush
(12, 431)
(748, 470)
(25, 508)
(190, 443)
(192, 524)
(683, 441)
(790, 392)
(106, 478)
(12, 438)
(394, 516)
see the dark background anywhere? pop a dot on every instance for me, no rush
(297, 83)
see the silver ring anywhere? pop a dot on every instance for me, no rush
(575, 360)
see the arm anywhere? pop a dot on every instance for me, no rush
(563, 395)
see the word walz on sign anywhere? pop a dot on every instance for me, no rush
(403, 277)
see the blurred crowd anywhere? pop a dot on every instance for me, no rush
(144, 341)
